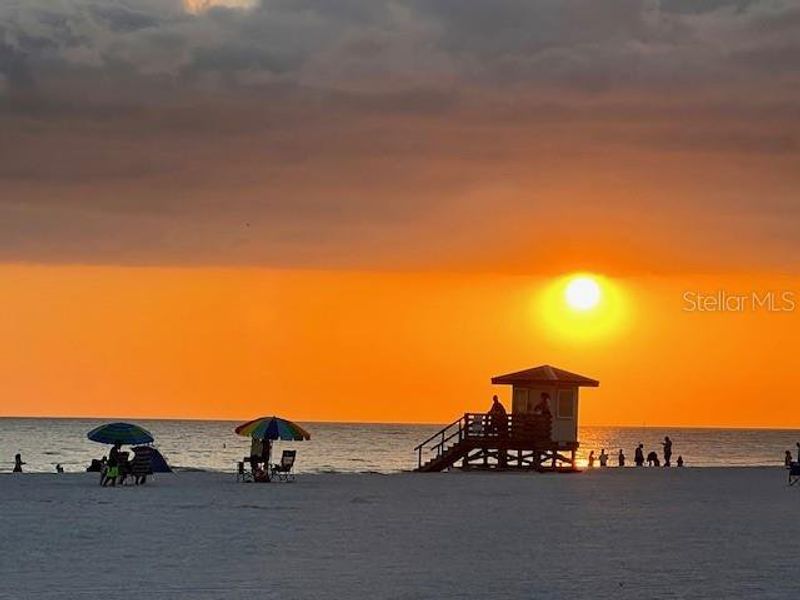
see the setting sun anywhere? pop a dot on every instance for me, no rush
(582, 293)
(582, 307)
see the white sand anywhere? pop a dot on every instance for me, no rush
(693, 533)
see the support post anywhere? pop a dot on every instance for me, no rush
(502, 458)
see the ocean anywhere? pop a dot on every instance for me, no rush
(361, 447)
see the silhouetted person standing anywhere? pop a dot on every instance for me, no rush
(543, 407)
(787, 459)
(667, 443)
(256, 450)
(591, 459)
(112, 467)
(499, 417)
(620, 458)
(638, 457)
(603, 458)
(798, 451)
(497, 407)
(18, 463)
(266, 455)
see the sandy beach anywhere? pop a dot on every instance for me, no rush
(615, 533)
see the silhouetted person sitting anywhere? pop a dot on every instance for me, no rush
(18, 463)
(96, 466)
(591, 459)
(498, 417)
(638, 457)
(261, 474)
(652, 460)
(59, 468)
(680, 460)
(603, 458)
(620, 458)
(787, 459)
(667, 443)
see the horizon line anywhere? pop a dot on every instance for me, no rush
(421, 423)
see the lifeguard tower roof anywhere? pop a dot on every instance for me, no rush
(546, 375)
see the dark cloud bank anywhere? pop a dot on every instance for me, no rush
(405, 134)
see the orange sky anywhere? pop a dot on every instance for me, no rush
(347, 346)
(358, 210)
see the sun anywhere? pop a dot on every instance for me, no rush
(583, 307)
(582, 293)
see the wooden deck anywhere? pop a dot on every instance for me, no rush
(486, 441)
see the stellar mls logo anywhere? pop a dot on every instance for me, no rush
(782, 301)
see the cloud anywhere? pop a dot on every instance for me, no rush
(198, 6)
(397, 134)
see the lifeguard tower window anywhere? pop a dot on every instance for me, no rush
(566, 404)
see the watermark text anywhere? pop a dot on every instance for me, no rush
(771, 301)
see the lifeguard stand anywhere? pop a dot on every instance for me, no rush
(540, 433)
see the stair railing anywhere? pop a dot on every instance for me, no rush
(428, 450)
(471, 426)
(475, 427)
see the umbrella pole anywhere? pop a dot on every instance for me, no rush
(269, 458)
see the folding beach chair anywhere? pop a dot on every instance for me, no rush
(794, 473)
(284, 470)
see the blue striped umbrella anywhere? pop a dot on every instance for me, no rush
(272, 428)
(124, 433)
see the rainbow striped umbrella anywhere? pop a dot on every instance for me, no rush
(124, 433)
(272, 428)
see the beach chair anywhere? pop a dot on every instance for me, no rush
(284, 470)
(242, 474)
(794, 473)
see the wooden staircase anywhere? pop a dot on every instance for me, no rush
(450, 456)
(486, 441)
